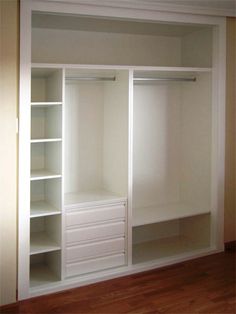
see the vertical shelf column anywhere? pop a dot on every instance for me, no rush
(46, 175)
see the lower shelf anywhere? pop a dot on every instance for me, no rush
(40, 242)
(166, 247)
(45, 269)
(41, 274)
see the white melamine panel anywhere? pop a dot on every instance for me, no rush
(95, 249)
(45, 159)
(164, 239)
(45, 234)
(191, 54)
(96, 137)
(95, 233)
(156, 144)
(115, 134)
(45, 197)
(151, 232)
(196, 142)
(46, 85)
(95, 215)
(43, 174)
(59, 46)
(172, 149)
(41, 242)
(44, 268)
(96, 264)
(91, 198)
(162, 248)
(46, 122)
(42, 208)
(83, 136)
(152, 214)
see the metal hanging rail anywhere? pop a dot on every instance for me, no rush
(91, 78)
(172, 79)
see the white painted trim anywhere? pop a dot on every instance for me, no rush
(162, 7)
(132, 13)
(130, 168)
(24, 152)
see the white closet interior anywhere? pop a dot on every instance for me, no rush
(171, 163)
(96, 136)
(91, 40)
(123, 144)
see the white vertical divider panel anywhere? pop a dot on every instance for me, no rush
(62, 178)
(130, 168)
(24, 152)
(218, 131)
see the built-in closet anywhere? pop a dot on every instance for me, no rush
(121, 120)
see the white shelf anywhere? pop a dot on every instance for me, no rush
(123, 67)
(43, 174)
(40, 242)
(42, 208)
(94, 197)
(154, 214)
(166, 247)
(41, 274)
(45, 140)
(46, 104)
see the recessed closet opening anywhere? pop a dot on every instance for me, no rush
(56, 38)
(172, 159)
(96, 137)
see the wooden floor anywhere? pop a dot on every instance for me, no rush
(205, 285)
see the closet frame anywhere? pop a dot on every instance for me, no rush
(218, 98)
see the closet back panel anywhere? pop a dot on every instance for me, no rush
(83, 137)
(96, 137)
(172, 143)
(104, 48)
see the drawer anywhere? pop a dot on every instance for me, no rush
(97, 264)
(95, 215)
(96, 249)
(97, 232)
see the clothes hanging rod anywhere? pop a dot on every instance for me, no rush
(153, 79)
(91, 78)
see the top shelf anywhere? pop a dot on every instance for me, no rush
(155, 214)
(122, 67)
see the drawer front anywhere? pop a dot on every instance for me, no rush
(95, 215)
(93, 250)
(95, 232)
(97, 264)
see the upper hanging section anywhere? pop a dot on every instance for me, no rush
(71, 39)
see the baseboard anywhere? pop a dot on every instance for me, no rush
(230, 246)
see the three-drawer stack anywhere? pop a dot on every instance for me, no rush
(96, 237)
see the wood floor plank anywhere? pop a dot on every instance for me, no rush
(206, 285)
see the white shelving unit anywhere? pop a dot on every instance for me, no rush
(125, 135)
(46, 175)
(41, 243)
(42, 208)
